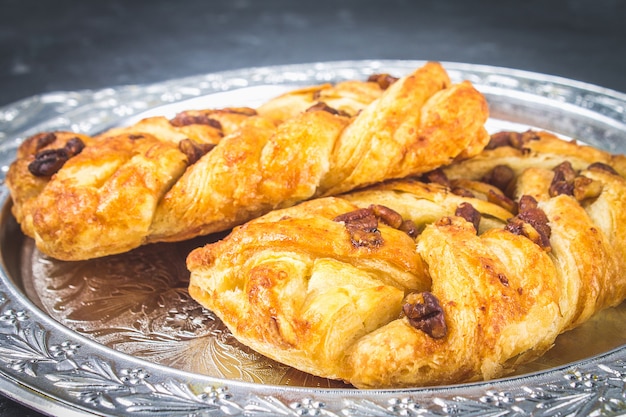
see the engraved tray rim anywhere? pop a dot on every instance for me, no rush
(52, 369)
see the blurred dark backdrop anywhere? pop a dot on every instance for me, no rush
(71, 45)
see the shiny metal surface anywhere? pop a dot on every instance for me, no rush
(121, 337)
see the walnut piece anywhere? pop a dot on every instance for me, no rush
(383, 80)
(469, 213)
(321, 106)
(193, 150)
(531, 222)
(515, 140)
(186, 119)
(362, 224)
(49, 161)
(425, 313)
(567, 181)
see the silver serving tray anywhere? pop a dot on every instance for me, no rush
(75, 340)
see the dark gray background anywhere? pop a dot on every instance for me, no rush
(68, 45)
(71, 45)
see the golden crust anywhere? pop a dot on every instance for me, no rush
(294, 286)
(537, 149)
(257, 163)
(103, 199)
(25, 187)
(489, 323)
(303, 289)
(201, 126)
(392, 138)
(348, 97)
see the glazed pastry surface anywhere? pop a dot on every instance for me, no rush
(206, 171)
(442, 280)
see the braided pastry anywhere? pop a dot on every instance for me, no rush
(414, 283)
(205, 171)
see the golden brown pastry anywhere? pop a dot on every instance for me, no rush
(206, 171)
(520, 150)
(414, 284)
(82, 197)
(345, 97)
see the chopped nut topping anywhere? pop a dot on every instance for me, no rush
(462, 192)
(364, 216)
(425, 313)
(515, 140)
(566, 181)
(437, 176)
(74, 146)
(490, 192)
(365, 238)
(531, 222)
(603, 167)
(44, 140)
(388, 216)
(537, 218)
(194, 151)
(50, 161)
(186, 119)
(563, 181)
(383, 80)
(585, 188)
(561, 187)
(500, 176)
(362, 225)
(527, 202)
(321, 106)
(469, 213)
(410, 228)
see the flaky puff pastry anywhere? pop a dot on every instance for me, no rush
(345, 97)
(533, 148)
(442, 287)
(101, 198)
(148, 183)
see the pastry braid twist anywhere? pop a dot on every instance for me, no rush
(410, 283)
(206, 171)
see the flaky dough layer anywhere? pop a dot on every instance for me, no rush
(413, 283)
(206, 171)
